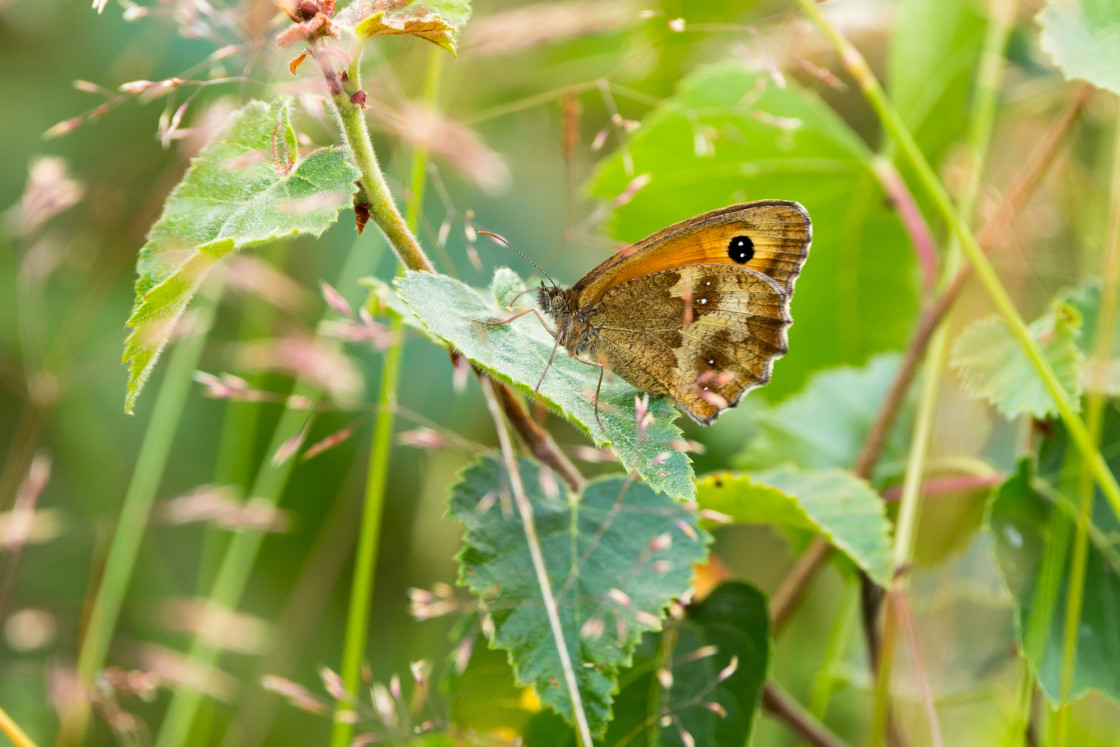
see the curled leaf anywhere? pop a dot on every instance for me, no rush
(438, 21)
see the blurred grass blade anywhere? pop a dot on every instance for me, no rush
(133, 520)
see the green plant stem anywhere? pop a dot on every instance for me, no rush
(906, 526)
(1095, 403)
(826, 682)
(346, 96)
(361, 591)
(793, 586)
(150, 463)
(237, 442)
(857, 66)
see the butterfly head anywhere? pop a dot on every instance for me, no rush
(572, 329)
(553, 300)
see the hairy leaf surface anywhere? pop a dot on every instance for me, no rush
(616, 555)
(832, 503)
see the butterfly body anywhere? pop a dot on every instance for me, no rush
(698, 311)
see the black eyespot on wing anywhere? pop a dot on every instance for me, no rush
(741, 249)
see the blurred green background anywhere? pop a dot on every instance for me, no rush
(66, 290)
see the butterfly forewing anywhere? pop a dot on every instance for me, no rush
(768, 236)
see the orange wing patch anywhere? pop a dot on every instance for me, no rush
(769, 236)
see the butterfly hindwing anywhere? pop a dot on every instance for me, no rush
(703, 334)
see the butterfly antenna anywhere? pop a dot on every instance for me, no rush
(502, 240)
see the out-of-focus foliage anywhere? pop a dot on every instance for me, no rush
(1080, 36)
(793, 431)
(1025, 524)
(729, 135)
(993, 366)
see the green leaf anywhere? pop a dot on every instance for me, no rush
(247, 187)
(1083, 39)
(1100, 375)
(993, 366)
(1021, 519)
(931, 67)
(518, 353)
(438, 21)
(733, 619)
(731, 135)
(616, 555)
(832, 503)
(825, 425)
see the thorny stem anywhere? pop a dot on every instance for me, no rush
(779, 703)
(346, 95)
(525, 509)
(792, 588)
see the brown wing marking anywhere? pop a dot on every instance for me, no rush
(738, 328)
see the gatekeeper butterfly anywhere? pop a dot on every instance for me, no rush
(698, 311)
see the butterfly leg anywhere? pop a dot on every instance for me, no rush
(503, 322)
(598, 387)
(518, 315)
(548, 365)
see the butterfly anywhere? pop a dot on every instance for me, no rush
(697, 311)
